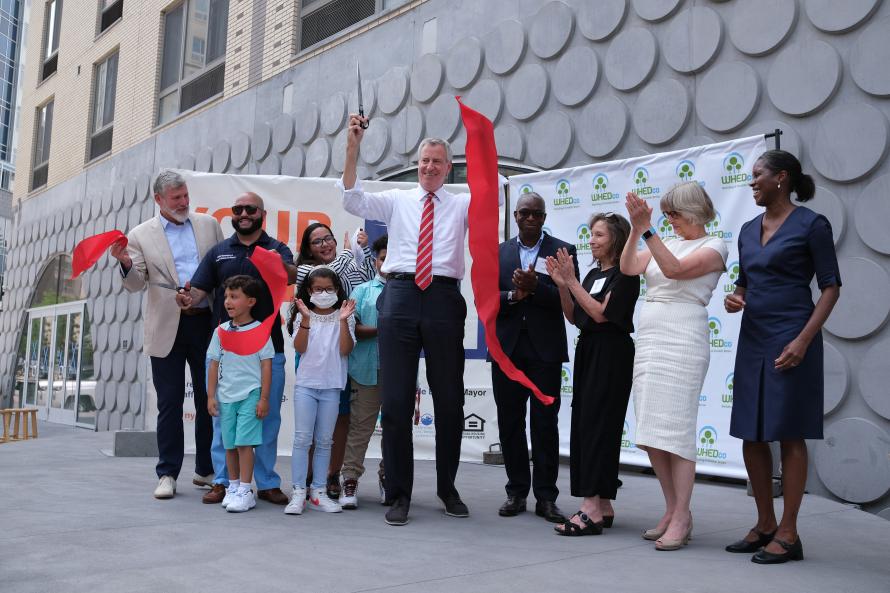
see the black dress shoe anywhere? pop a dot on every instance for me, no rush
(512, 507)
(549, 511)
(745, 547)
(398, 513)
(455, 507)
(792, 552)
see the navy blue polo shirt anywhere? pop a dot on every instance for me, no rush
(229, 258)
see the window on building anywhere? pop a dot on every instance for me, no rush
(52, 22)
(104, 91)
(323, 19)
(110, 12)
(193, 55)
(43, 132)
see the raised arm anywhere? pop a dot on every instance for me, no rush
(633, 261)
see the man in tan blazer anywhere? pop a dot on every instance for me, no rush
(162, 254)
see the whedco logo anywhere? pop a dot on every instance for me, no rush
(583, 234)
(734, 174)
(715, 229)
(702, 400)
(641, 181)
(643, 287)
(564, 198)
(664, 228)
(601, 191)
(732, 273)
(715, 330)
(726, 396)
(526, 188)
(708, 445)
(686, 170)
(626, 443)
(566, 380)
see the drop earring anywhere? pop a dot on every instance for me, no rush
(779, 185)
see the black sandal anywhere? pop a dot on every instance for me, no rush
(793, 551)
(571, 529)
(745, 547)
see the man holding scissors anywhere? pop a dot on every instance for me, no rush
(163, 254)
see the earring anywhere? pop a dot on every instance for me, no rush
(779, 185)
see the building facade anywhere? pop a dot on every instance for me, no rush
(117, 89)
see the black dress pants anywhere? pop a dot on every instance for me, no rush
(411, 319)
(168, 376)
(511, 398)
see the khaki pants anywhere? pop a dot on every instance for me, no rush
(364, 409)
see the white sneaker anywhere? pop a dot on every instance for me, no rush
(349, 494)
(243, 501)
(203, 481)
(319, 501)
(231, 493)
(297, 502)
(166, 487)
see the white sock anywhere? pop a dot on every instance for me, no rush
(233, 485)
(244, 488)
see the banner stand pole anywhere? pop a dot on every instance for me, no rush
(777, 134)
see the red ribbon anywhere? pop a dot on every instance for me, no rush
(89, 250)
(273, 273)
(482, 177)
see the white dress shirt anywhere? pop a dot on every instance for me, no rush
(401, 209)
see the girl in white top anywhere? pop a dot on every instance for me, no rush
(672, 343)
(324, 338)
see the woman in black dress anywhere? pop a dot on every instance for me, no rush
(602, 308)
(778, 389)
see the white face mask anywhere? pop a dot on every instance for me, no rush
(323, 300)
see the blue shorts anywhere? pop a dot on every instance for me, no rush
(238, 422)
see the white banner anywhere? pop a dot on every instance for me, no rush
(291, 205)
(723, 169)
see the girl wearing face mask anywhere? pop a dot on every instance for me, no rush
(324, 337)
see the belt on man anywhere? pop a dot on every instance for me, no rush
(195, 312)
(406, 276)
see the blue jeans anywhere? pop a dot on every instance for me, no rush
(267, 453)
(315, 414)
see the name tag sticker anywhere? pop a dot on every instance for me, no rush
(597, 286)
(541, 266)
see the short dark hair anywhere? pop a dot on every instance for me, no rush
(304, 292)
(780, 160)
(619, 229)
(249, 285)
(380, 243)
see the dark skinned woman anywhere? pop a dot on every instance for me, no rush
(778, 388)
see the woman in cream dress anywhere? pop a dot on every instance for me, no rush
(672, 345)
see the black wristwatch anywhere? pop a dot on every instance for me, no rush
(649, 233)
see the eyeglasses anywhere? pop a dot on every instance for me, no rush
(671, 214)
(319, 242)
(526, 213)
(238, 209)
(323, 291)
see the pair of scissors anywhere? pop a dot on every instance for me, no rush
(361, 106)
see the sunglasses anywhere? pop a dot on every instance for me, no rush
(239, 209)
(526, 213)
(319, 242)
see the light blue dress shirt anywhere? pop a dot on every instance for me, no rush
(181, 238)
(528, 255)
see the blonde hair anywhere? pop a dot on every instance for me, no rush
(691, 200)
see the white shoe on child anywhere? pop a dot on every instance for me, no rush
(243, 501)
(231, 493)
(349, 495)
(319, 501)
(297, 502)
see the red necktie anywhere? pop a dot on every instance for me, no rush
(423, 272)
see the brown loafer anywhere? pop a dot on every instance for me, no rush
(216, 495)
(273, 495)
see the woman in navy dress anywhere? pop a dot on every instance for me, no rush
(778, 386)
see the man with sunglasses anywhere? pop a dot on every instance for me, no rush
(173, 338)
(532, 333)
(230, 258)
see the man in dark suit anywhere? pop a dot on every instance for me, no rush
(532, 333)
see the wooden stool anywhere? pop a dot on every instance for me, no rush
(20, 428)
(7, 417)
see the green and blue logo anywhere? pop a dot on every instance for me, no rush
(526, 188)
(715, 228)
(626, 442)
(715, 335)
(733, 269)
(601, 191)
(734, 174)
(708, 446)
(564, 197)
(664, 228)
(642, 287)
(566, 380)
(583, 234)
(702, 400)
(726, 396)
(643, 183)
(686, 170)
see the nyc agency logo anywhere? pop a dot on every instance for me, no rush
(565, 387)
(564, 198)
(626, 443)
(708, 445)
(601, 191)
(726, 396)
(474, 427)
(715, 329)
(426, 419)
(583, 234)
(734, 174)
(714, 228)
(641, 181)
(732, 274)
